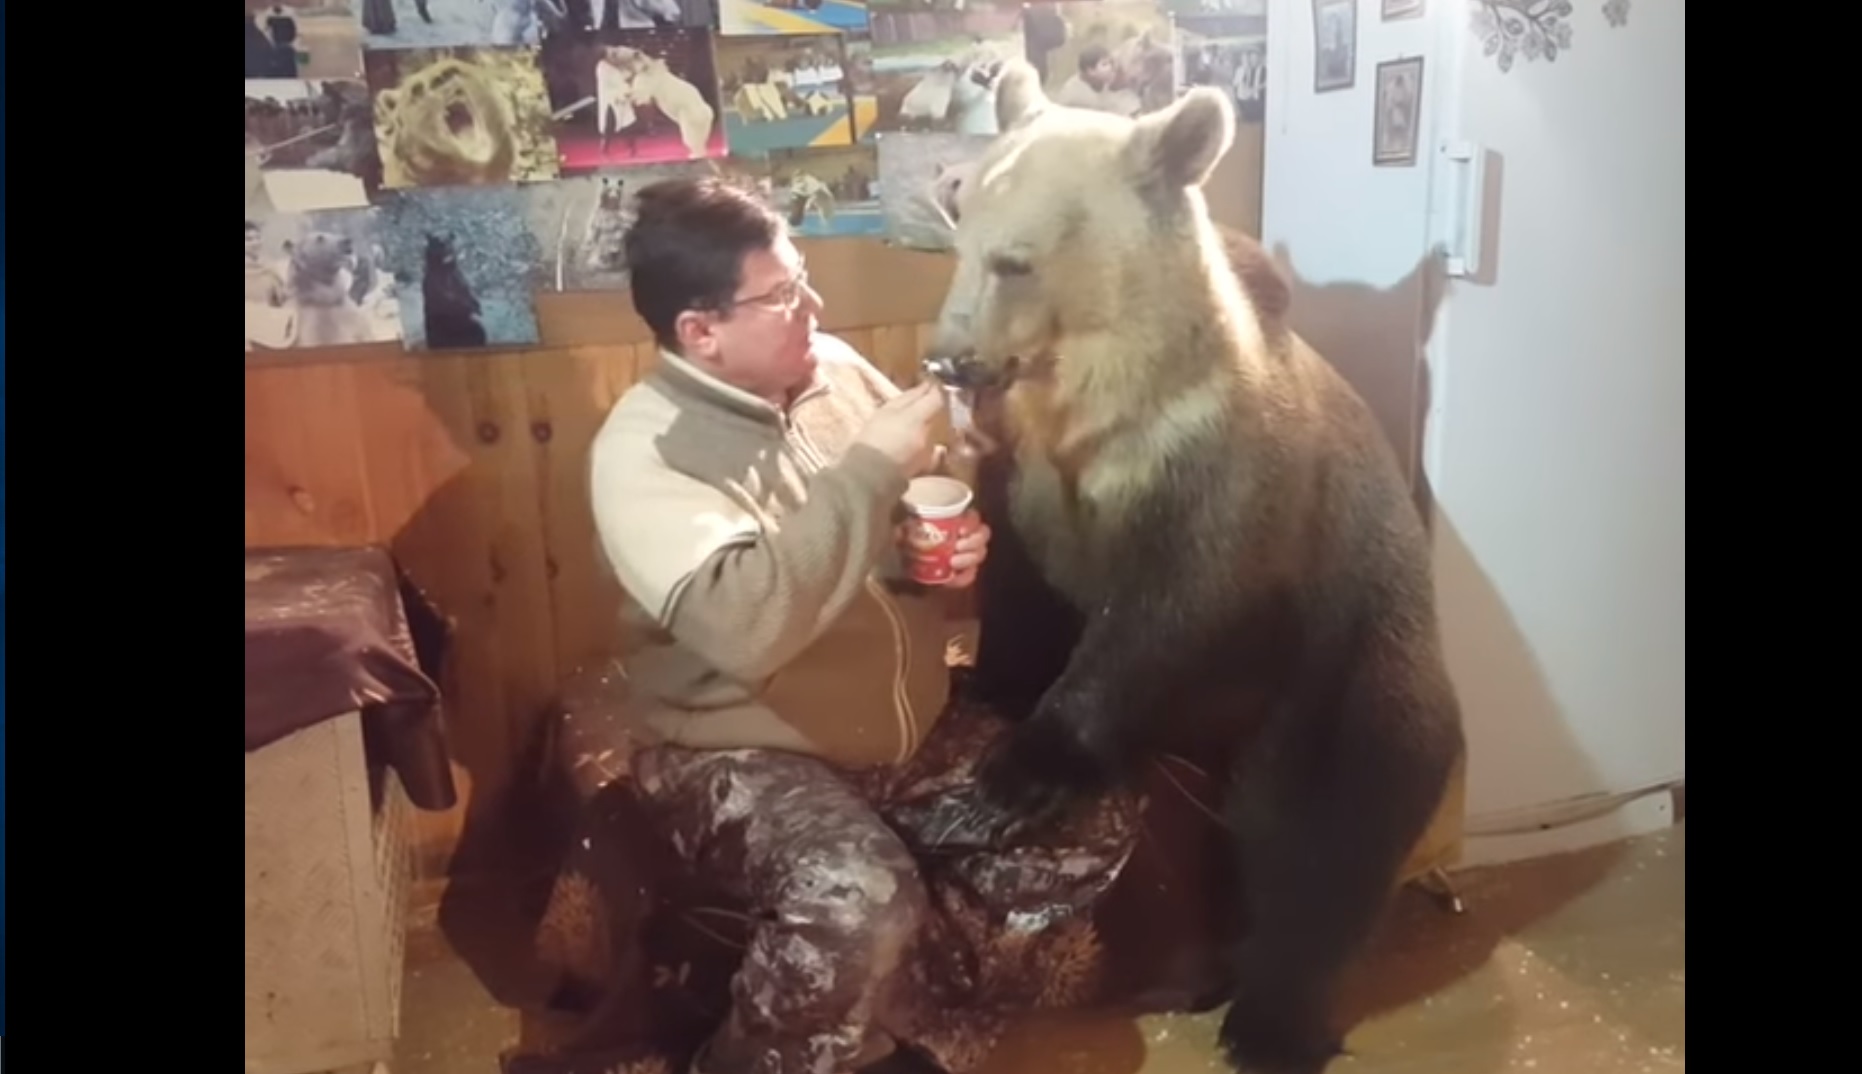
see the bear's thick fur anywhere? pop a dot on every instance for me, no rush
(1204, 543)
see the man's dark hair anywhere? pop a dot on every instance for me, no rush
(1091, 56)
(686, 247)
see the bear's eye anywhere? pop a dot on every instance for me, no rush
(1004, 265)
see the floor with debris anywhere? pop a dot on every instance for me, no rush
(1575, 964)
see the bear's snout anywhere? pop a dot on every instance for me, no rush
(967, 371)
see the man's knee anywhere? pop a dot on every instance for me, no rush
(863, 896)
(841, 917)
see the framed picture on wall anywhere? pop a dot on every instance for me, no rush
(1402, 9)
(1335, 45)
(1399, 113)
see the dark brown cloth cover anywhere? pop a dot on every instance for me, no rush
(643, 952)
(327, 632)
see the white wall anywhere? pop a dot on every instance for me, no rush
(1555, 437)
(1341, 219)
(1353, 238)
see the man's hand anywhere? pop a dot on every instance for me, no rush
(901, 428)
(966, 556)
(970, 551)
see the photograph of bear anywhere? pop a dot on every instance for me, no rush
(314, 143)
(471, 264)
(1203, 544)
(915, 173)
(460, 117)
(317, 280)
(581, 223)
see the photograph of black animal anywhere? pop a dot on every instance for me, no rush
(451, 310)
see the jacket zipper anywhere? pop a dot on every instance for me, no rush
(901, 638)
(902, 662)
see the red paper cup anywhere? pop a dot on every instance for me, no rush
(935, 506)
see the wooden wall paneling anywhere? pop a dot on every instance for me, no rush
(864, 282)
(588, 318)
(860, 339)
(895, 352)
(569, 393)
(307, 481)
(412, 424)
(408, 447)
(511, 568)
(445, 546)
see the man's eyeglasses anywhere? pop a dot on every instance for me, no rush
(785, 297)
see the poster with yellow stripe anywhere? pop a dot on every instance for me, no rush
(749, 18)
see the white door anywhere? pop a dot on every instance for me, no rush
(1556, 440)
(1542, 396)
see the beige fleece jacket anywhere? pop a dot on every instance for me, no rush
(755, 547)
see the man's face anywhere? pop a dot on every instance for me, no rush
(1100, 73)
(764, 342)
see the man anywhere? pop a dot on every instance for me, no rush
(614, 87)
(271, 322)
(792, 690)
(744, 493)
(283, 31)
(1043, 31)
(1094, 85)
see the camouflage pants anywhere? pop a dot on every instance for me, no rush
(882, 912)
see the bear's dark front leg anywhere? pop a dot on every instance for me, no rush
(1097, 722)
(1027, 631)
(1327, 806)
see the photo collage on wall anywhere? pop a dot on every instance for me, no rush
(416, 170)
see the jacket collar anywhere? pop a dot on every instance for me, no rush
(688, 379)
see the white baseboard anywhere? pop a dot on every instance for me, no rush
(1638, 816)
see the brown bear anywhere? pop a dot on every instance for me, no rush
(449, 123)
(323, 286)
(1204, 543)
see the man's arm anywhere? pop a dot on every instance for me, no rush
(890, 565)
(744, 600)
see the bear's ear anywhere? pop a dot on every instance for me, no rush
(1018, 94)
(1179, 145)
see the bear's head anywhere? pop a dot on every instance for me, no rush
(1074, 226)
(612, 195)
(448, 121)
(319, 256)
(321, 264)
(438, 256)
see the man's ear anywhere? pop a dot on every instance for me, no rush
(695, 334)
